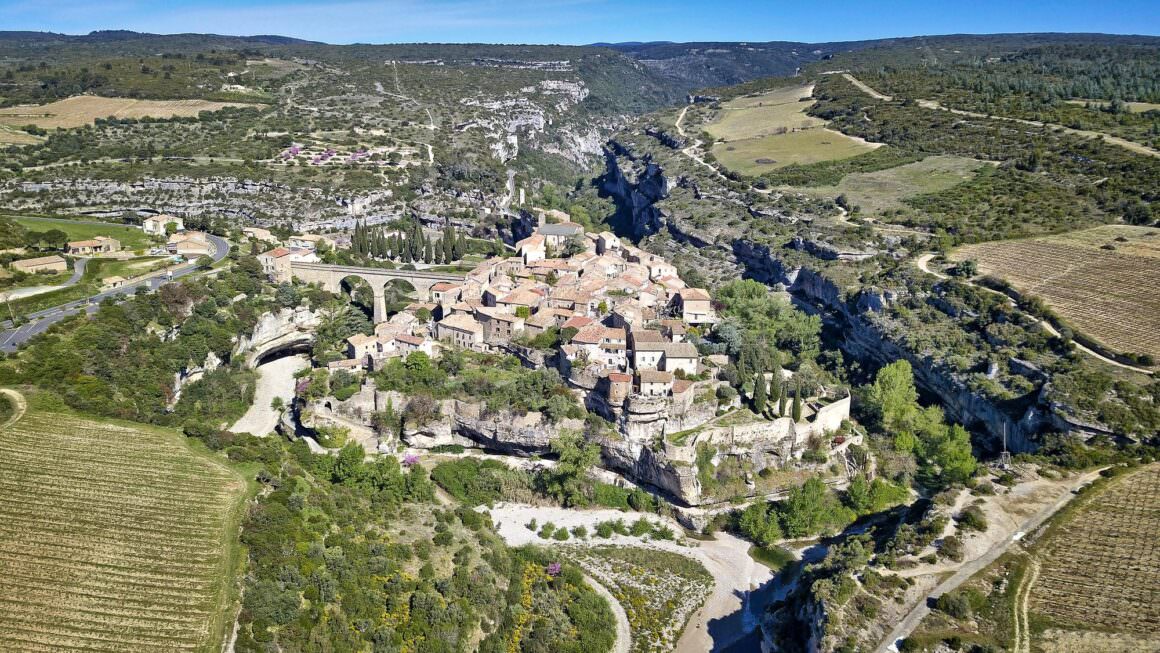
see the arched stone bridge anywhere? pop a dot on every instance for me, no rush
(330, 277)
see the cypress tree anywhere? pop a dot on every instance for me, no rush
(775, 388)
(797, 403)
(428, 252)
(759, 393)
(781, 400)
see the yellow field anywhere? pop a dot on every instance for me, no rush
(1133, 107)
(1108, 295)
(84, 109)
(113, 537)
(10, 136)
(763, 132)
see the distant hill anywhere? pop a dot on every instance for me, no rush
(712, 64)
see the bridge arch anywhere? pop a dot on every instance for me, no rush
(331, 278)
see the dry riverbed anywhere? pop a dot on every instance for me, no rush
(730, 610)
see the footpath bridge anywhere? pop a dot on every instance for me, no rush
(330, 278)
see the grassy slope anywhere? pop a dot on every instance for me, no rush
(749, 127)
(885, 189)
(130, 237)
(145, 513)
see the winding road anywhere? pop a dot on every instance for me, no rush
(1133, 146)
(923, 263)
(39, 322)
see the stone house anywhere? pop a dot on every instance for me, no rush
(189, 244)
(498, 326)
(276, 262)
(155, 225)
(655, 383)
(98, 245)
(360, 346)
(695, 306)
(408, 344)
(557, 235)
(461, 330)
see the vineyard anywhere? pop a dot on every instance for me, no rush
(659, 590)
(1100, 569)
(1105, 294)
(113, 537)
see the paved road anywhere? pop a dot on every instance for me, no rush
(907, 625)
(40, 321)
(32, 291)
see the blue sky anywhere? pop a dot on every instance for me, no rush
(582, 21)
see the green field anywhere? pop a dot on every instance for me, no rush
(759, 133)
(757, 155)
(884, 190)
(764, 115)
(130, 237)
(113, 536)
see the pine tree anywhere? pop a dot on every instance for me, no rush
(797, 403)
(759, 393)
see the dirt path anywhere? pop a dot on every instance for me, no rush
(20, 406)
(275, 379)
(623, 642)
(1022, 599)
(1138, 148)
(865, 88)
(972, 567)
(923, 263)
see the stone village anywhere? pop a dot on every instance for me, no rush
(624, 318)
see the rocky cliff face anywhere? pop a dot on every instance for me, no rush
(637, 185)
(289, 328)
(249, 201)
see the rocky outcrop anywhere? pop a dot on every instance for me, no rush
(287, 329)
(192, 374)
(247, 200)
(829, 251)
(636, 185)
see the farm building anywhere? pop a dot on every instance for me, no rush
(52, 263)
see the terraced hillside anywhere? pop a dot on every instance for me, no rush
(112, 537)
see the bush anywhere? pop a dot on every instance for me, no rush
(954, 604)
(579, 532)
(547, 530)
(952, 547)
(973, 519)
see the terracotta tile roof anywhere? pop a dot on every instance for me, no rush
(577, 322)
